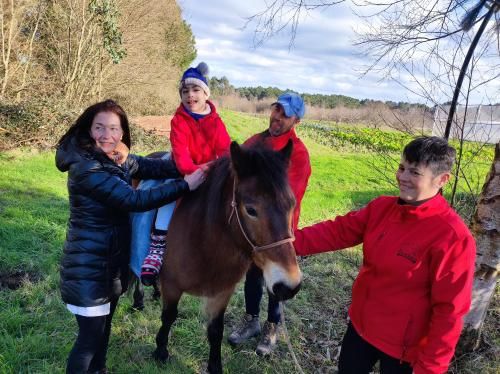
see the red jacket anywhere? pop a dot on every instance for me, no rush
(197, 142)
(415, 283)
(299, 170)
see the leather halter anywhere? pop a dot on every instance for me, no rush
(234, 211)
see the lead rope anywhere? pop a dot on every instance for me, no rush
(287, 338)
(234, 210)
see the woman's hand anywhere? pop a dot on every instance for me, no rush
(119, 154)
(195, 179)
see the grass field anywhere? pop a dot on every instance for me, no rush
(37, 332)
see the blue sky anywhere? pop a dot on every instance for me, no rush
(322, 59)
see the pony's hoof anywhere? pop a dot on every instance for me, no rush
(156, 295)
(161, 355)
(137, 307)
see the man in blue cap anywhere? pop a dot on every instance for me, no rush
(286, 113)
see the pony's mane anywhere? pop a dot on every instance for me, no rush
(215, 183)
(269, 167)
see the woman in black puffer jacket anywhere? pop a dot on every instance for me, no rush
(94, 266)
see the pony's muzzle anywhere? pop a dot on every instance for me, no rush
(282, 281)
(284, 292)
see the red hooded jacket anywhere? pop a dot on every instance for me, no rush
(415, 283)
(197, 142)
(299, 170)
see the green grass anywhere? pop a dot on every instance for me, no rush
(37, 332)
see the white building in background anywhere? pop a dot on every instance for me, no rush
(478, 123)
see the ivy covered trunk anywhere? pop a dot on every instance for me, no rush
(486, 230)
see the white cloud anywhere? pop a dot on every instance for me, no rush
(225, 30)
(322, 59)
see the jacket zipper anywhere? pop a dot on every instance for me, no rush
(405, 339)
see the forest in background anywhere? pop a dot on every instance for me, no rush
(409, 117)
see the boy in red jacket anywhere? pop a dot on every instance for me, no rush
(415, 283)
(285, 115)
(198, 136)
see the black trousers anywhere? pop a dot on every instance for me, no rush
(91, 345)
(358, 357)
(254, 283)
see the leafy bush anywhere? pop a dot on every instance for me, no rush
(375, 140)
(145, 141)
(37, 123)
(359, 140)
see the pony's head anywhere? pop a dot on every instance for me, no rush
(263, 205)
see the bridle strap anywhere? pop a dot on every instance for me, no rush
(234, 211)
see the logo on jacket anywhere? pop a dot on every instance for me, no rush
(409, 253)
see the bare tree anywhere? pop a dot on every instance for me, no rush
(280, 15)
(19, 29)
(37, 15)
(83, 41)
(8, 24)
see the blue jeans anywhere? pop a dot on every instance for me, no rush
(254, 282)
(141, 223)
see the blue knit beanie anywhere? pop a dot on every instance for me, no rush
(196, 76)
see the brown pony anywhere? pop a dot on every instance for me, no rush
(242, 213)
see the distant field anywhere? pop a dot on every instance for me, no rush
(36, 331)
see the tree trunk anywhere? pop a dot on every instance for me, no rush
(486, 230)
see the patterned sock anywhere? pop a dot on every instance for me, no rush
(153, 261)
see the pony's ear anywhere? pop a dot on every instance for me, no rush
(286, 151)
(236, 156)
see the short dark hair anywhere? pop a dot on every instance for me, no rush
(81, 128)
(431, 151)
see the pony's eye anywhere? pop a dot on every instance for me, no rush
(251, 211)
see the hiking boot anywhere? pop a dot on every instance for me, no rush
(249, 327)
(268, 339)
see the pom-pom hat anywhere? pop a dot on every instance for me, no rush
(196, 76)
(292, 104)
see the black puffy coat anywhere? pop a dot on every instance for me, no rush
(94, 265)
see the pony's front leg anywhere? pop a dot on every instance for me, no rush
(216, 307)
(138, 295)
(215, 331)
(168, 317)
(156, 290)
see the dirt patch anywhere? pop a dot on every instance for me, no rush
(159, 124)
(15, 280)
